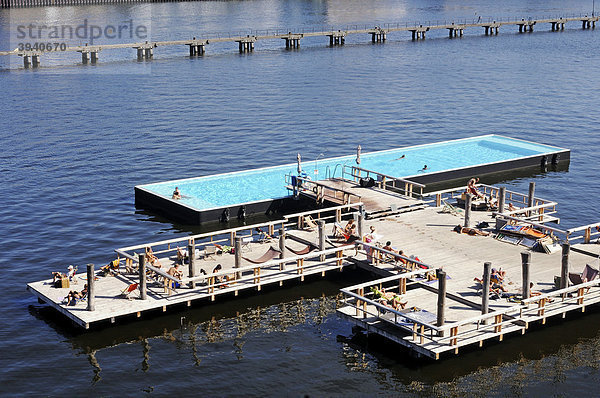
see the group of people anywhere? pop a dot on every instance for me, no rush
(389, 299)
(70, 274)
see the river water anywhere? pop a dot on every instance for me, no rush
(75, 139)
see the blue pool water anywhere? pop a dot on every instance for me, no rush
(215, 191)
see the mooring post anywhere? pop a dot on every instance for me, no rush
(238, 255)
(468, 199)
(282, 242)
(501, 199)
(531, 195)
(91, 301)
(322, 238)
(441, 302)
(192, 263)
(142, 272)
(485, 295)
(525, 262)
(361, 219)
(564, 269)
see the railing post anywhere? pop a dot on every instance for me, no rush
(322, 237)
(530, 196)
(564, 269)
(438, 200)
(485, 295)
(282, 243)
(468, 199)
(441, 302)
(361, 218)
(238, 255)
(525, 262)
(191, 263)
(142, 271)
(501, 199)
(91, 300)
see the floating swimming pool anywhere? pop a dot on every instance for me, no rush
(422, 163)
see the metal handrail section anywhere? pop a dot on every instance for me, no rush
(383, 180)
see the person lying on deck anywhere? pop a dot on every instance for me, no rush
(73, 295)
(470, 231)
(389, 299)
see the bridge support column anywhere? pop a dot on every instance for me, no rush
(35, 60)
(94, 57)
(140, 54)
(84, 57)
(149, 53)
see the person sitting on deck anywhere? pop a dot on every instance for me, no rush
(175, 272)
(73, 295)
(59, 275)
(220, 279)
(350, 228)
(495, 287)
(181, 255)
(388, 247)
(472, 188)
(176, 194)
(470, 231)
(152, 259)
(498, 275)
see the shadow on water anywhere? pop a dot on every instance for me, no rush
(557, 338)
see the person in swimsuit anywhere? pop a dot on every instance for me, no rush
(176, 194)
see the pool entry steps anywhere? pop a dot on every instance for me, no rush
(293, 187)
(453, 277)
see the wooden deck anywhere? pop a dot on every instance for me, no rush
(427, 233)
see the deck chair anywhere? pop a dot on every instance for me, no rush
(126, 293)
(589, 274)
(269, 255)
(448, 208)
(310, 223)
(263, 237)
(338, 231)
(209, 251)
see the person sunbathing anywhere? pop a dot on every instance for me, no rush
(350, 228)
(181, 255)
(470, 231)
(73, 295)
(472, 188)
(494, 286)
(56, 276)
(152, 259)
(390, 299)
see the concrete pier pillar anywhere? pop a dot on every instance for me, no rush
(84, 57)
(148, 53)
(35, 60)
(94, 57)
(241, 46)
(140, 54)
(91, 299)
(192, 50)
(487, 30)
(414, 34)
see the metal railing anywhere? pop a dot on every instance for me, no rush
(385, 182)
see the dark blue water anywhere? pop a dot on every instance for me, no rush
(76, 139)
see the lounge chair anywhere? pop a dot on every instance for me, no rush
(338, 231)
(310, 223)
(269, 255)
(128, 290)
(589, 274)
(210, 251)
(448, 208)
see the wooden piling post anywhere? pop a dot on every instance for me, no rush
(441, 302)
(468, 200)
(192, 263)
(525, 262)
(322, 237)
(485, 295)
(361, 218)
(564, 269)
(501, 199)
(282, 244)
(142, 273)
(530, 196)
(91, 301)
(238, 255)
